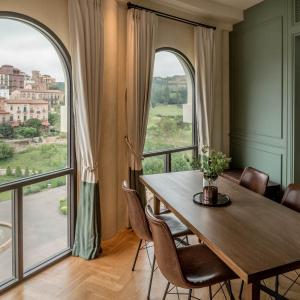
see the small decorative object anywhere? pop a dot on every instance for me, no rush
(211, 163)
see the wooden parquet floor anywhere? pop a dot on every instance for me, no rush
(108, 278)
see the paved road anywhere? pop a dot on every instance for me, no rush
(45, 229)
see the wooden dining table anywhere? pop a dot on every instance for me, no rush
(254, 236)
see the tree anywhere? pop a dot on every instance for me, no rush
(9, 171)
(6, 131)
(35, 123)
(18, 172)
(26, 132)
(6, 151)
(53, 118)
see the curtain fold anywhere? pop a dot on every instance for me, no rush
(141, 39)
(205, 58)
(86, 46)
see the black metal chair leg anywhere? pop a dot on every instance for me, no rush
(166, 291)
(241, 290)
(229, 289)
(151, 277)
(136, 255)
(210, 293)
(277, 284)
(190, 294)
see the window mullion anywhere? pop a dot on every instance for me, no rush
(18, 233)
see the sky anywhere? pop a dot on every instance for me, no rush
(167, 64)
(27, 49)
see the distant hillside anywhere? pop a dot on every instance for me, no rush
(58, 86)
(169, 90)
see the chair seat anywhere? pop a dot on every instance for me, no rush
(201, 267)
(177, 228)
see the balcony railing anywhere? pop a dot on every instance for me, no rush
(168, 160)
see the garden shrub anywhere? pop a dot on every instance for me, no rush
(6, 151)
(9, 171)
(18, 172)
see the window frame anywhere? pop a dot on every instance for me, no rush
(168, 152)
(16, 187)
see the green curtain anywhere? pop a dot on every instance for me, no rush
(88, 226)
(135, 184)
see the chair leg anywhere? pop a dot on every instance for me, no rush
(241, 290)
(277, 284)
(151, 277)
(210, 293)
(190, 294)
(229, 289)
(166, 291)
(136, 255)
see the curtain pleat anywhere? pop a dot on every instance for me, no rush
(205, 58)
(141, 39)
(86, 46)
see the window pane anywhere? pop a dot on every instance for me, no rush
(33, 106)
(6, 230)
(181, 161)
(171, 112)
(45, 220)
(154, 165)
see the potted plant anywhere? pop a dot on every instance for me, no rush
(211, 163)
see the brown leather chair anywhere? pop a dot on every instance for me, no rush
(141, 227)
(291, 197)
(254, 180)
(186, 267)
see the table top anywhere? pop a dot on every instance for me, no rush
(256, 237)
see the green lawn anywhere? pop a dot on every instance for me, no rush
(41, 158)
(166, 128)
(37, 159)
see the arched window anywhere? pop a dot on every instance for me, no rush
(170, 140)
(36, 149)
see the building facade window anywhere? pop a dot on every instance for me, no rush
(37, 181)
(171, 134)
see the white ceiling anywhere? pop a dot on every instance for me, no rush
(228, 11)
(242, 4)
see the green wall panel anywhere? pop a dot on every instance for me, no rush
(258, 90)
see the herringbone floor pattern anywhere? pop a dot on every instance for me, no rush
(108, 277)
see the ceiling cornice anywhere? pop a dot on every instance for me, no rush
(206, 9)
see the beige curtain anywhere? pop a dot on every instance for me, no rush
(205, 58)
(86, 45)
(141, 38)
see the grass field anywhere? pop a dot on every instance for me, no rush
(166, 128)
(42, 158)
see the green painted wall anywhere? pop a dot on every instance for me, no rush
(259, 90)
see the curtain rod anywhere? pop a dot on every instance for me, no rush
(167, 16)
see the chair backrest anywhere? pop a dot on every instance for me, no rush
(136, 214)
(254, 180)
(165, 249)
(291, 197)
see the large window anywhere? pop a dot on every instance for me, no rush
(170, 140)
(36, 149)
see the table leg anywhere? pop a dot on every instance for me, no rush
(156, 206)
(252, 291)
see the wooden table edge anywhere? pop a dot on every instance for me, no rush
(248, 279)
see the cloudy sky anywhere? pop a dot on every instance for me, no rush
(167, 64)
(27, 49)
